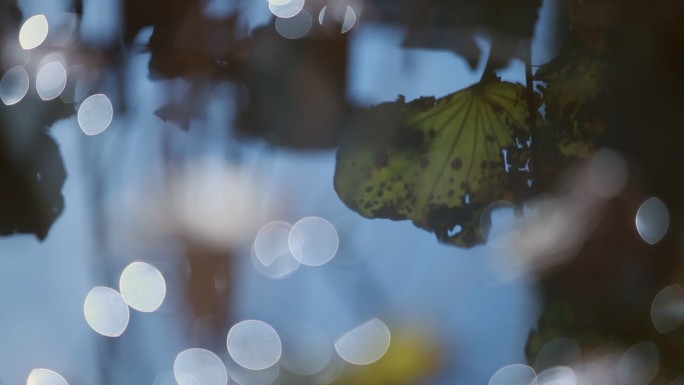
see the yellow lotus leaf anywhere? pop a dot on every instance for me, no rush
(439, 162)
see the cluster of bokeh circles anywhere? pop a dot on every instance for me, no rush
(294, 21)
(280, 248)
(561, 362)
(256, 350)
(53, 76)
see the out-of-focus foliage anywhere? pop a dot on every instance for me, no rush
(185, 41)
(453, 25)
(295, 88)
(31, 169)
(439, 163)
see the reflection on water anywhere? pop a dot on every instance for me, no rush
(217, 205)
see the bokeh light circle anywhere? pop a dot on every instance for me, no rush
(254, 344)
(313, 241)
(14, 85)
(142, 286)
(349, 20)
(286, 10)
(283, 267)
(33, 32)
(558, 375)
(51, 80)
(106, 311)
(272, 242)
(95, 114)
(199, 367)
(561, 351)
(364, 344)
(45, 377)
(294, 27)
(639, 364)
(515, 374)
(667, 309)
(652, 220)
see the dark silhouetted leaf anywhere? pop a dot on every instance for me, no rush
(439, 163)
(31, 169)
(453, 25)
(185, 41)
(295, 88)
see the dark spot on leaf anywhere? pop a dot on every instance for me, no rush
(450, 193)
(424, 161)
(368, 205)
(456, 164)
(389, 212)
(409, 139)
(369, 188)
